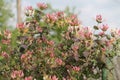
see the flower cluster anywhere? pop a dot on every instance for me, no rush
(55, 46)
(16, 74)
(42, 6)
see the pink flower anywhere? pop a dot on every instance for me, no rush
(107, 43)
(13, 74)
(29, 8)
(7, 34)
(73, 16)
(75, 68)
(54, 77)
(87, 32)
(82, 34)
(59, 61)
(99, 18)
(52, 55)
(75, 47)
(28, 78)
(23, 56)
(39, 29)
(42, 5)
(101, 34)
(51, 17)
(64, 78)
(4, 54)
(6, 41)
(50, 43)
(29, 52)
(20, 26)
(104, 27)
(60, 14)
(103, 49)
(20, 73)
(118, 32)
(88, 35)
(16, 74)
(74, 20)
(26, 55)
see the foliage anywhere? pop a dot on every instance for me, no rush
(55, 46)
(5, 13)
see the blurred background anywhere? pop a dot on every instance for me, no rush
(12, 11)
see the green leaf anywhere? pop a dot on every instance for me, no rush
(1, 58)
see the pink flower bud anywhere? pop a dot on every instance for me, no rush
(28, 78)
(5, 55)
(23, 56)
(51, 17)
(82, 34)
(59, 61)
(75, 68)
(107, 43)
(73, 16)
(13, 74)
(39, 29)
(29, 8)
(7, 34)
(75, 47)
(52, 55)
(64, 78)
(118, 32)
(104, 27)
(50, 43)
(29, 52)
(16, 74)
(60, 14)
(20, 73)
(75, 22)
(42, 5)
(101, 34)
(103, 49)
(6, 41)
(88, 35)
(20, 26)
(54, 77)
(99, 18)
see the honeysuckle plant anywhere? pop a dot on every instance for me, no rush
(55, 46)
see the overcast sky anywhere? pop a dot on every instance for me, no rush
(109, 9)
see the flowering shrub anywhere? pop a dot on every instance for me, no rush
(55, 46)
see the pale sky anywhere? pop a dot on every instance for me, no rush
(109, 9)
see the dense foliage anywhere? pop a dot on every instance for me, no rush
(55, 46)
